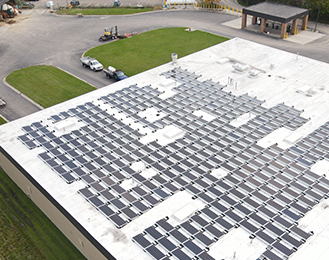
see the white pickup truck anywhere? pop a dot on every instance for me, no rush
(92, 63)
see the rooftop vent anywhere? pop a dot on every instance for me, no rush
(240, 67)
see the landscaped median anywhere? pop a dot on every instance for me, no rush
(47, 85)
(2, 121)
(151, 49)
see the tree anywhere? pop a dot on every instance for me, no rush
(208, 3)
(314, 5)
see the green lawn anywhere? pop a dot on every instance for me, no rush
(47, 85)
(25, 232)
(104, 11)
(2, 121)
(150, 49)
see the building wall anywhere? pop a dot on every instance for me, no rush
(84, 242)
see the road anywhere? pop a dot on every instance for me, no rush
(231, 3)
(101, 3)
(43, 38)
(57, 3)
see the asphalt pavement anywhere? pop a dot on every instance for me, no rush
(40, 37)
(102, 3)
(231, 3)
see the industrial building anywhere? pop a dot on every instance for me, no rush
(222, 154)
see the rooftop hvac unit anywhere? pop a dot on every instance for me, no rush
(174, 57)
(254, 73)
(240, 67)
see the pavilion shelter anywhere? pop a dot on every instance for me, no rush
(277, 13)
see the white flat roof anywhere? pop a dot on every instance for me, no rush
(295, 91)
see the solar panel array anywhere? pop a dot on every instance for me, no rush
(266, 190)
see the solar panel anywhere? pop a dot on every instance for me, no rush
(117, 220)
(271, 255)
(265, 188)
(179, 254)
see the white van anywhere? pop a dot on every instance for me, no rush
(49, 3)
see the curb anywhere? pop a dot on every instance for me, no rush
(3, 117)
(32, 101)
(21, 94)
(104, 15)
(75, 76)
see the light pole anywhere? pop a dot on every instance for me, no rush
(317, 17)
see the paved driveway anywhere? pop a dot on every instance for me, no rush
(44, 38)
(42, 3)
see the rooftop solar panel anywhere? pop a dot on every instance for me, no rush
(265, 190)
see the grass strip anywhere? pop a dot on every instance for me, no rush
(25, 232)
(103, 11)
(47, 85)
(151, 49)
(2, 121)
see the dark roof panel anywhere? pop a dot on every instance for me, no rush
(275, 11)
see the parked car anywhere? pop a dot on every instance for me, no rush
(116, 3)
(92, 63)
(2, 103)
(49, 3)
(75, 3)
(111, 72)
(27, 6)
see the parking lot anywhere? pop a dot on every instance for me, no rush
(99, 3)
(40, 37)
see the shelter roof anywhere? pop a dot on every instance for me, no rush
(276, 12)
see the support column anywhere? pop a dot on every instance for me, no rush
(254, 19)
(283, 30)
(263, 25)
(304, 23)
(294, 27)
(244, 21)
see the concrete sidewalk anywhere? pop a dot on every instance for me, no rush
(273, 30)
